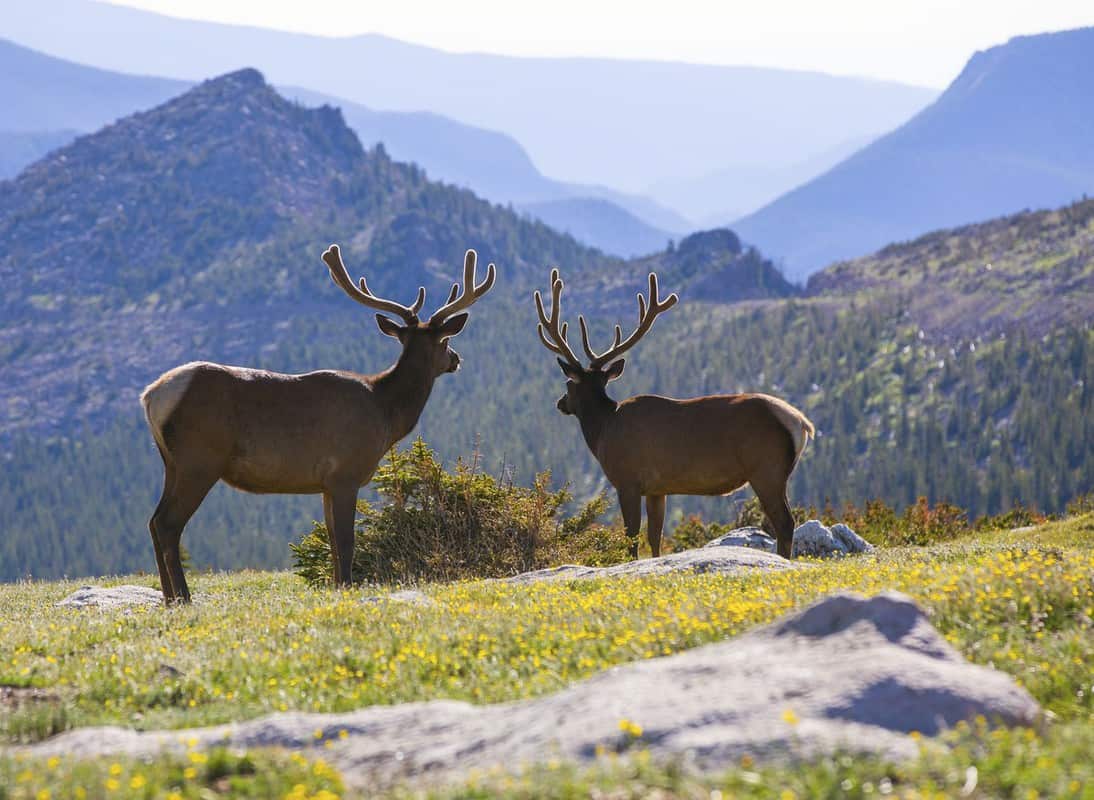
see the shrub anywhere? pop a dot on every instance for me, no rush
(693, 532)
(442, 526)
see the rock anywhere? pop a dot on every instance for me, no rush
(411, 596)
(851, 540)
(727, 560)
(745, 537)
(112, 597)
(812, 538)
(847, 674)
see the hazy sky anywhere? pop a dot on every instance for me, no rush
(924, 42)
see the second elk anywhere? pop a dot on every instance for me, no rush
(651, 446)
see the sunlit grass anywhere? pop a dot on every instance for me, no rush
(255, 643)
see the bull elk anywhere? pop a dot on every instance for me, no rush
(651, 446)
(318, 433)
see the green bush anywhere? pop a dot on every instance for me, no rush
(441, 526)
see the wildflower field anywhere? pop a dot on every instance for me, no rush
(255, 643)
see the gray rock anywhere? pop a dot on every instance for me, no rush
(410, 596)
(728, 560)
(850, 540)
(745, 537)
(112, 597)
(846, 674)
(812, 538)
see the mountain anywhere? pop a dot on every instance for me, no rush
(42, 93)
(1013, 131)
(19, 148)
(621, 124)
(192, 231)
(209, 208)
(47, 92)
(601, 223)
(739, 189)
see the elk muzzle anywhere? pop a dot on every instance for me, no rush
(453, 361)
(563, 405)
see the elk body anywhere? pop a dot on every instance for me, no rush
(651, 446)
(317, 433)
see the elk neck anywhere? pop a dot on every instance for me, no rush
(403, 390)
(594, 416)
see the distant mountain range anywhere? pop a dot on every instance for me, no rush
(52, 101)
(626, 125)
(1012, 132)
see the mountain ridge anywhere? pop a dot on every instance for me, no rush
(966, 157)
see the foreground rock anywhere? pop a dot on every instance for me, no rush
(724, 560)
(845, 674)
(112, 597)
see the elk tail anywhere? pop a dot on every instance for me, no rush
(799, 427)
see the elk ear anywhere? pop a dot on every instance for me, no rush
(615, 369)
(390, 327)
(452, 326)
(569, 370)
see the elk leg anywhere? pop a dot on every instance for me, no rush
(777, 510)
(339, 509)
(170, 518)
(630, 503)
(655, 521)
(165, 574)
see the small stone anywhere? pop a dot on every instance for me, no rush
(755, 538)
(112, 597)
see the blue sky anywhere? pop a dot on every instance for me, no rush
(924, 42)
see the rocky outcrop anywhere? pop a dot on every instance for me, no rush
(848, 673)
(112, 597)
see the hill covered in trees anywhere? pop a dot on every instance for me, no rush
(193, 231)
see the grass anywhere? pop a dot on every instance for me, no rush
(260, 642)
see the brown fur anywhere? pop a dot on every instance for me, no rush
(317, 433)
(651, 446)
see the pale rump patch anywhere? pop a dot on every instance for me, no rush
(162, 396)
(800, 428)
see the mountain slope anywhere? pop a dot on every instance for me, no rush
(600, 223)
(42, 93)
(623, 124)
(19, 148)
(1012, 132)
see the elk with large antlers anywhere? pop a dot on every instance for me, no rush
(317, 433)
(650, 446)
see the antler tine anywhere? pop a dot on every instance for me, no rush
(332, 257)
(459, 300)
(585, 338)
(557, 344)
(647, 313)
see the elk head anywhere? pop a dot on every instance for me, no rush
(587, 386)
(422, 342)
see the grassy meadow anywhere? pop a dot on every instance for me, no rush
(255, 643)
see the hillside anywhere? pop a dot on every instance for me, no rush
(1012, 132)
(20, 148)
(621, 124)
(192, 231)
(601, 223)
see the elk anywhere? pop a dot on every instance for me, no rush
(318, 433)
(651, 446)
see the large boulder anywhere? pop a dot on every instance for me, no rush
(847, 674)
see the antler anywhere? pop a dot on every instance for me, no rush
(557, 343)
(333, 259)
(646, 317)
(457, 301)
